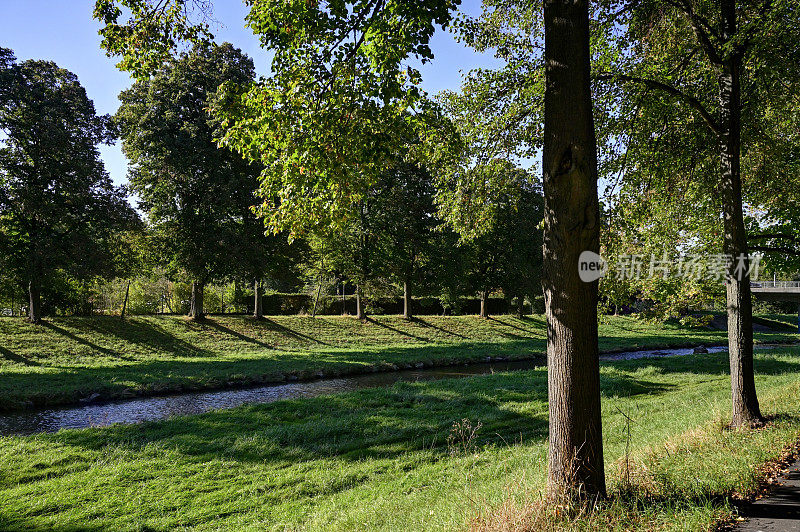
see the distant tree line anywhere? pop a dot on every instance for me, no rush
(73, 244)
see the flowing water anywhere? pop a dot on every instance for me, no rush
(154, 408)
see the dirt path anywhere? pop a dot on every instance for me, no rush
(780, 511)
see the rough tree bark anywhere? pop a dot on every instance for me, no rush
(483, 304)
(34, 302)
(575, 458)
(258, 303)
(746, 411)
(196, 304)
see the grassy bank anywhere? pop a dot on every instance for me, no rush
(67, 359)
(391, 458)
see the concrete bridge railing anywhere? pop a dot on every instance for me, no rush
(789, 285)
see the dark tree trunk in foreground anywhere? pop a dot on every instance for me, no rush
(258, 304)
(34, 302)
(407, 313)
(575, 458)
(196, 305)
(520, 306)
(360, 314)
(483, 313)
(746, 411)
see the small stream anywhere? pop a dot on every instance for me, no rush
(155, 408)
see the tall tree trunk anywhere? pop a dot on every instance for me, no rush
(746, 411)
(316, 300)
(483, 304)
(258, 303)
(196, 306)
(407, 313)
(575, 458)
(359, 306)
(125, 301)
(34, 302)
(520, 306)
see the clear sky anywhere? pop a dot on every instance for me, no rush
(64, 31)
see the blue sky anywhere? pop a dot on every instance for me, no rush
(64, 31)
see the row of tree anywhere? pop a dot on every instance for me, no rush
(65, 226)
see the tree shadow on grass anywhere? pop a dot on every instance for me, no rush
(12, 356)
(376, 424)
(398, 331)
(273, 325)
(260, 368)
(713, 364)
(75, 338)
(154, 338)
(424, 323)
(528, 332)
(209, 322)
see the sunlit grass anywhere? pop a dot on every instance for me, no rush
(380, 459)
(70, 358)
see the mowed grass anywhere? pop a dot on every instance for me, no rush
(66, 359)
(387, 459)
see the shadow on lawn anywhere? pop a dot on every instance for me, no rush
(716, 364)
(398, 331)
(172, 375)
(366, 424)
(12, 356)
(144, 333)
(75, 338)
(424, 323)
(275, 326)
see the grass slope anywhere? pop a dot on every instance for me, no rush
(66, 359)
(389, 458)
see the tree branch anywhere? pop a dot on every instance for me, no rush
(782, 236)
(693, 102)
(770, 249)
(702, 29)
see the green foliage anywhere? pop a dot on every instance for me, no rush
(153, 31)
(330, 119)
(197, 196)
(667, 130)
(57, 203)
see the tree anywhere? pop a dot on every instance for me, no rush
(497, 211)
(405, 224)
(58, 207)
(195, 193)
(698, 54)
(571, 227)
(323, 124)
(554, 81)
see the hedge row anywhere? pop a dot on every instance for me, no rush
(289, 304)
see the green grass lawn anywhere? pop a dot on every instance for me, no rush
(66, 359)
(383, 459)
